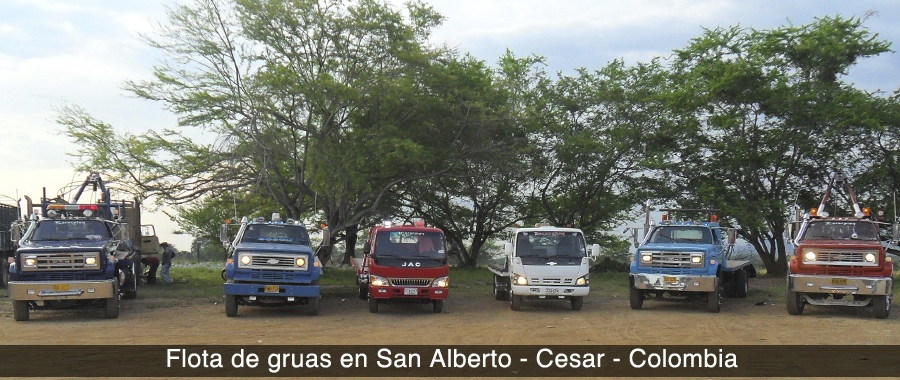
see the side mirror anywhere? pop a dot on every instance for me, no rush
(123, 246)
(15, 234)
(326, 237)
(791, 233)
(508, 249)
(454, 248)
(595, 251)
(367, 248)
(223, 234)
(634, 236)
(896, 233)
(732, 235)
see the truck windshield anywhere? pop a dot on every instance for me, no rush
(56, 230)
(275, 233)
(840, 230)
(682, 234)
(410, 244)
(550, 244)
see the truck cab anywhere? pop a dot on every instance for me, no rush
(406, 263)
(271, 263)
(687, 260)
(544, 263)
(839, 261)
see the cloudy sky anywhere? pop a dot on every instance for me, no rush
(60, 52)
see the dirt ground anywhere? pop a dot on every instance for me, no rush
(470, 318)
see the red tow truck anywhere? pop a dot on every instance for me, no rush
(407, 263)
(839, 261)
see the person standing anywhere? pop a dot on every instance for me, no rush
(168, 254)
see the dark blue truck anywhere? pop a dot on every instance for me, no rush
(74, 255)
(270, 264)
(687, 260)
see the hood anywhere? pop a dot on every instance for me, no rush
(679, 247)
(273, 247)
(840, 244)
(79, 245)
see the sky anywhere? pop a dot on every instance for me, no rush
(55, 53)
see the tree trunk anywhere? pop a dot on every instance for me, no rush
(350, 243)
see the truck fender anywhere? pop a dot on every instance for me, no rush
(229, 270)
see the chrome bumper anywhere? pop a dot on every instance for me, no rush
(876, 286)
(681, 283)
(550, 291)
(64, 290)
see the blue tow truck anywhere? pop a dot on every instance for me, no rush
(270, 264)
(73, 255)
(687, 260)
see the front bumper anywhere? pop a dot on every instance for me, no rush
(550, 291)
(408, 292)
(680, 283)
(272, 290)
(875, 286)
(67, 290)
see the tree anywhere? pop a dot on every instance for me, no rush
(770, 115)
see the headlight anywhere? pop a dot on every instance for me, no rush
(696, 259)
(521, 280)
(582, 281)
(441, 282)
(88, 213)
(30, 261)
(377, 280)
(245, 259)
(646, 258)
(90, 261)
(809, 256)
(300, 261)
(870, 257)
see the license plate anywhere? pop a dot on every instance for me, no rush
(552, 291)
(272, 289)
(838, 281)
(669, 279)
(61, 287)
(410, 291)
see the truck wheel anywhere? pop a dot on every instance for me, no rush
(362, 291)
(373, 305)
(714, 299)
(231, 305)
(794, 302)
(499, 293)
(515, 302)
(882, 306)
(438, 305)
(741, 284)
(4, 273)
(312, 306)
(111, 311)
(577, 302)
(20, 310)
(635, 297)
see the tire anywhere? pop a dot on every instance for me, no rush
(882, 306)
(714, 299)
(231, 305)
(362, 291)
(312, 306)
(741, 284)
(373, 305)
(4, 273)
(577, 302)
(111, 310)
(499, 293)
(635, 297)
(515, 302)
(438, 306)
(20, 310)
(794, 302)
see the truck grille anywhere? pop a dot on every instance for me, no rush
(550, 281)
(272, 276)
(61, 261)
(61, 277)
(843, 257)
(274, 261)
(670, 259)
(410, 281)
